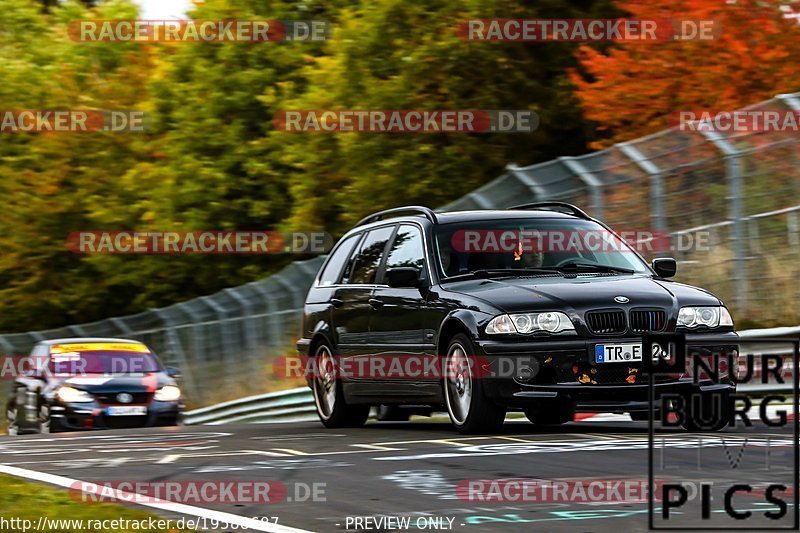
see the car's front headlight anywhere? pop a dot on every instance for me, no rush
(710, 317)
(73, 395)
(168, 393)
(551, 322)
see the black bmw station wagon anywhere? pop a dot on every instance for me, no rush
(514, 314)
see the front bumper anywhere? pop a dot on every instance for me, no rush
(614, 387)
(93, 415)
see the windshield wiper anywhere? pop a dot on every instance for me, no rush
(499, 272)
(593, 267)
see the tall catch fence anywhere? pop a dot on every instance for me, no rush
(730, 204)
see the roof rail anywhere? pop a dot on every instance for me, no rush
(562, 206)
(418, 209)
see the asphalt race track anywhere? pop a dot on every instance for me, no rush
(413, 469)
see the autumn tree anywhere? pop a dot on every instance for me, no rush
(630, 89)
(405, 54)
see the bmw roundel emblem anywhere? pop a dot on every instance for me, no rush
(124, 397)
(621, 299)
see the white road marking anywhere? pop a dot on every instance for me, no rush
(377, 447)
(179, 508)
(684, 441)
(300, 436)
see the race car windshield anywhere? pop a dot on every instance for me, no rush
(528, 245)
(102, 362)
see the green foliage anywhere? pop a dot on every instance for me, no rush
(404, 54)
(211, 159)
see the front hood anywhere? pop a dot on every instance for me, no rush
(100, 384)
(581, 293)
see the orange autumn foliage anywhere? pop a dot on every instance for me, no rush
(631, 89)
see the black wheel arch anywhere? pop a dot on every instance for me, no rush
(459, 321)
(322, 333)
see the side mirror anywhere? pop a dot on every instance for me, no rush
(665, 266)
(173, 372)
(403, 277)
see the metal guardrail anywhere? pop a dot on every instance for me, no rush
(297, 405)
(734, 195)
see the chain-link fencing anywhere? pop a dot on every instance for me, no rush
(730, 203)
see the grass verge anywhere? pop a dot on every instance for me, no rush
(28, 501)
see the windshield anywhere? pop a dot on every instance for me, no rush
(560, 245)
(75, 363)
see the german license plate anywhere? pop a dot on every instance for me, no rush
(126, 410)
(617, 353)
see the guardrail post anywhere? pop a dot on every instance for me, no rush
(196, 352)
(77, 330)
(792, 101)
(224, 335)
(8, 348)
(657, 216)
(251, 334)
(733, 171)
(793, 228)
(753, 235)
(274, 328)
(529, 181)
(590, 180)
(175, 348)
(120, 324)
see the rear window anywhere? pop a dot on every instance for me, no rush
(369, 256)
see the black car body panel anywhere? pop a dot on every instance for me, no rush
(357, 319)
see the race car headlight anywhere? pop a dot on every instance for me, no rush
(169, 393)
(73, 395)
(710, 317)
(551, 322)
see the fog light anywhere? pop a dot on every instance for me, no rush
(528, 371)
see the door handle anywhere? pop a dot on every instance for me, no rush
(336, 302)
(375, 303)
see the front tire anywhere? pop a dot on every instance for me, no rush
(469, 409)
(13, 424)
(332, 409)
(46, 425)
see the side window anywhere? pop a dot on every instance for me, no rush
(330, 274)
(369, 255)
(407, 249)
